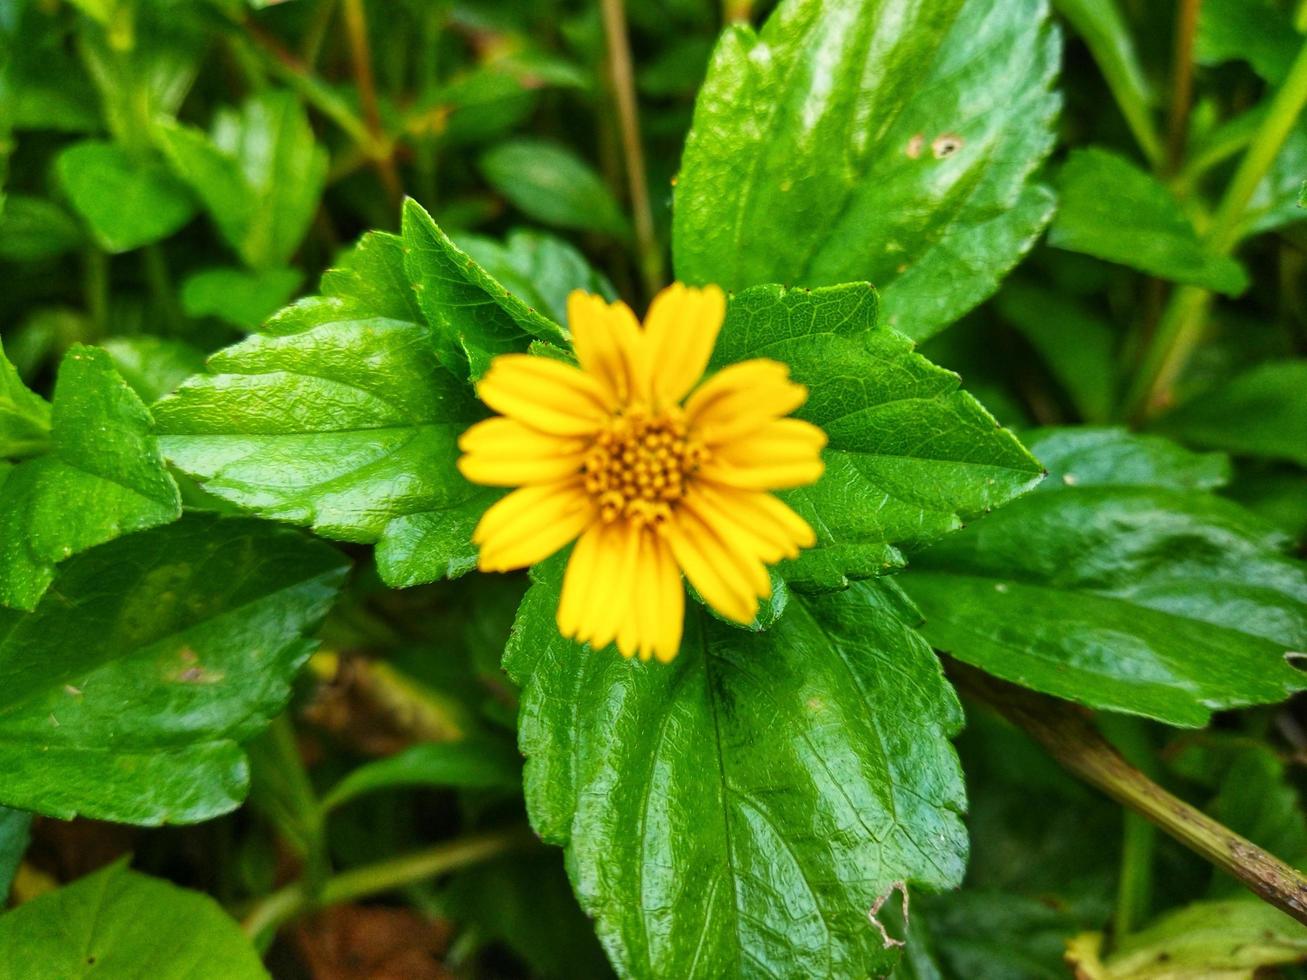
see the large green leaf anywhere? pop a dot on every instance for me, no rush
(24, 415)
(127, 201)
(103, 476)
(116, 924)
(1262, 412)
(1121, 592)
(1111, 209)
(343, 419)
(260, 174)
(911, 455)
(872, 140)
(474, 317)
(739, 811)
(129, 688)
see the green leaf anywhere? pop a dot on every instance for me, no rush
(32, 229)
(342, 420)
(911, 455)
(103, 476)
(476, 763)
(1102, 588)
(872, 141)
(1077, 344)
(1262, 412)
(554, 186)
(116, 924)
(260, 174)
(1256, 31)
(130, 687)
(127, 201)
(371, 278)
(243, 299)
(153, 366)
(1279, 199)
(1232, 940)
(24, 415)
(1114, 457)
(539, 268)
(740, 810)
(473, 316)
(14, 835)
(1112, 210)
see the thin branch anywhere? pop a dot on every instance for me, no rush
(1182, 82)
(360, 51)
(1069, 737)
(623, 82)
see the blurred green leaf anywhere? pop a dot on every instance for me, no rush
(911, 455)
(1278, 200)
(14, 835)
(130, 687)
(1259, 32)
(102, 477)
(342, 419)
(1230, 940)
(872, 141)
(1112, 210)
(711, 808)
(1146, 599)
(1262, 412)
(127, 201)
(32, 228)
(476, 763)
(260, 174)
(153, 366)
(116, 924)
(24, 415)
(243, 299)
(554, 186)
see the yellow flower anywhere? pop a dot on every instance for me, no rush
(650, 482)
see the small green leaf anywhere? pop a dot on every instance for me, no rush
(1256, 31)
(740, 810)
(910, 456)
(116, 924)
(260, 174)
(153, 366)
(466, 764)
(127, 201)
(130, 687)
(103, 476)
(14, 835)
(539, 268)
(1262, 412)
(1114, 457)
(24, 415)
(873, 141)
(32, 228)
(1231, 940)
(554, 186)
(1153, 600)
(473, 316)
(243, 299)
(1112, 210)
(341, 420)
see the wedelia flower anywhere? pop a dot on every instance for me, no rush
(649, 482)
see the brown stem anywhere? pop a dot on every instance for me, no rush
(1069, 736)
(360, 51)
(623, 82)
(1182, 83)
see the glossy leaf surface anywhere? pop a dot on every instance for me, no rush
(739, 811)
(130, 687)
(884, 141)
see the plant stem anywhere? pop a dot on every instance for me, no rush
(295, 899)
(96, 291)
(623, 81)
(1182, 82)
(1134, 895)
(1181, 325)
(1069, 737)
(360, 51)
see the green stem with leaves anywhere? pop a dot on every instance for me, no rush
(1180, 328)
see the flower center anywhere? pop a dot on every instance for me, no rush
(640, 463)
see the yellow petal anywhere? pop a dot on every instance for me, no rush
(742, 398)
(727, 583)
(671, 604)
(778, 441)
(530, 524)
(601, 590)
(653, 623)
(759, 539)
(503, 452)
(545, 394)
(608, 344)
(681, 328)
(764, 476)
(766, 513)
